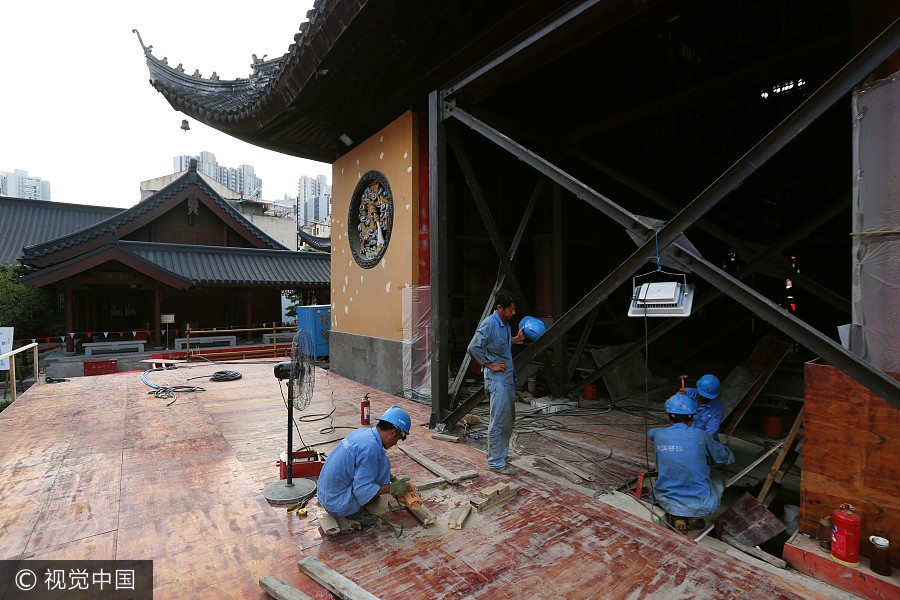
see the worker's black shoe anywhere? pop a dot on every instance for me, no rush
(507, 470)
(364, 518)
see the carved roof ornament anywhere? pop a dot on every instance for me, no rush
(214, 77)
(196, 73)
(193, 206)
(180, 68)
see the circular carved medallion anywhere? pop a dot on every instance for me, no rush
(372, 211)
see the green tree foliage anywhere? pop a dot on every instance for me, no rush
(18, 304)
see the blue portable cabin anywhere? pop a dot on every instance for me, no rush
(316, 320)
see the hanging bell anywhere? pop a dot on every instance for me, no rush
(185, 125)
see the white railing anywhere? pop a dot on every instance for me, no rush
(12, 364)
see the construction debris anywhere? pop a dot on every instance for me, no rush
(333, 581)
(281, 590)
(459, 516)
(492, 496)
(431, 465)
(328, 525)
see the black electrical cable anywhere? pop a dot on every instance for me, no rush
(221, 376)
(167, 391)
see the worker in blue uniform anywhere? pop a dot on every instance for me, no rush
(710, 411)
(358, 469)
(492, 348)
(686, 487)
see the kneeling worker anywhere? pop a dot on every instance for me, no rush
(358, 469)
(685, 488)
(710, 411)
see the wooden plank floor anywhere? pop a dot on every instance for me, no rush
(96, 468)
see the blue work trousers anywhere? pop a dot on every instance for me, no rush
(502, 395)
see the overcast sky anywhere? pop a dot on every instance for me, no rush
(78, 109)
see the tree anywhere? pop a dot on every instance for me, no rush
(18, 304)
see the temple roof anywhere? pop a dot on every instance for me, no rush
(319, 243)
(114, 227)
(352, 67)
(29, 222)
(186, 265)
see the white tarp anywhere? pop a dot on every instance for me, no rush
(874, 333)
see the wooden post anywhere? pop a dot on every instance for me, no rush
(70, 321)
(157, 318)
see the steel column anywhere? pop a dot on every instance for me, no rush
(440, 292)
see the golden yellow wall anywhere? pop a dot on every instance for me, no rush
(367, 301)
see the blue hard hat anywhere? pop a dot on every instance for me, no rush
(708, 386)
(397, 417)
(532, 327)
(680, 404)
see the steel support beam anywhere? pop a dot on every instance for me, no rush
(830, 92)
(752, 267)
(438, 234)
(837, 355)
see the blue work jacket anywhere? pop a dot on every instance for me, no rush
(683, 458)
(353, 473)
(709, 416)
(493, 342)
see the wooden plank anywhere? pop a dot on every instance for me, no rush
(459, 516)
(430, 465)
(749, 522)
(348, 525)
(583, 474)
(281, 590)
(425, 516)
(446, 438)
(493, 496)
(328, 525)
(433, 483)
(764, 359)
(779, 460)
(755, 552)
(564, 472)
(333, 581)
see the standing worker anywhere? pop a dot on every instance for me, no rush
(492, 348)
(358, 469)
(710, 411)
(685, 487)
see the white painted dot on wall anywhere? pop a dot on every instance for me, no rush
(357, 162)
(383, 265)
(344, 289)
(342, 170)
(361, 278)
(381, 139)
(346, 310)
(406, 154)
(407, 208)
(409, 169)
(381, 156)
(351, 298)
(387, 288)
(346, 279)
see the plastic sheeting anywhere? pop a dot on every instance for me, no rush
(874, 334)
(416, 313)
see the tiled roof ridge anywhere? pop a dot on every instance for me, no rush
(169, 80)
(57, 205)
(196, 248)
(111, 224)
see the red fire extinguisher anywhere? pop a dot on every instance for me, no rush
(845, 532)
(364, 410)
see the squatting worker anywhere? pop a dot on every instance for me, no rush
(686, 488)
(492, 348)
(710, 410)
(358, 469)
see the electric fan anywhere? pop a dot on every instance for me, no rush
(300, 375)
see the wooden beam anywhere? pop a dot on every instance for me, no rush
(492, 496)
(562, 471)
(333, 581)
(583, 474)
(281, 590)
(779, 460)
(425, 516)
(446, 438)
(328, 525)
(433, 483)
(754, 552)
(459, 516)
(429, 464)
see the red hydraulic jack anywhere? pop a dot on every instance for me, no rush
(305, 463)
